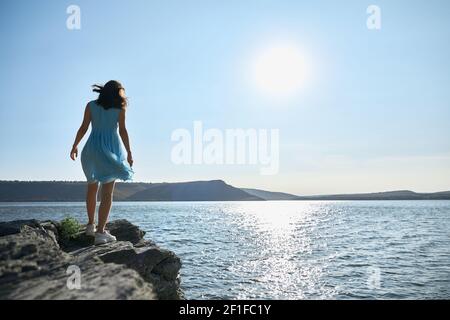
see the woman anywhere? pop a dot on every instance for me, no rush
(103, 156)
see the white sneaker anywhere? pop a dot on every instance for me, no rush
(102, 238)
(90, 230)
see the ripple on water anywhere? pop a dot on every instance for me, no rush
(291, 250)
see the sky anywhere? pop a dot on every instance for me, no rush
(372, 111)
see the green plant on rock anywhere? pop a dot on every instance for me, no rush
(69, 228)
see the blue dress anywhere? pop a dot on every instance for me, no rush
(103, 157)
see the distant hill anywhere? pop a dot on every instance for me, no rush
(388, 195)
(42, 191)
(269, 195)
(215, 190)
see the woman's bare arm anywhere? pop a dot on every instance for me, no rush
(124, 135)
(81, 132)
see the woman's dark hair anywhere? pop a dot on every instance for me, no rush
(109, 95)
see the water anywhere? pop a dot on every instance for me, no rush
(291, 249)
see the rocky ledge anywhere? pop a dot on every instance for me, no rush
(36, 263)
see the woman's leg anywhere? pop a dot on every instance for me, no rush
(105, 205)
(91, 201)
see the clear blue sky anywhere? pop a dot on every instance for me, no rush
(374, 114)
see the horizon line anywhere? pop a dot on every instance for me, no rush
(296, 195)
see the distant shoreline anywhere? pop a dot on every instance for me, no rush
(214, 190)
(163, 201)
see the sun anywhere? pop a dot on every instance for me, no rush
(280, 70)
